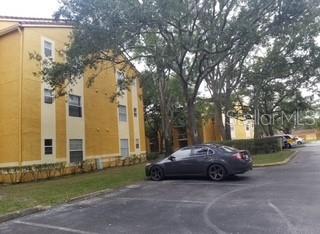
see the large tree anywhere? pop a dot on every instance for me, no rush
(190, 37)
(295, 24)
(287, 62)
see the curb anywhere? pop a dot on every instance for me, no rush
(292, 156)
(89, 195)
(37, 209)
(21, 213)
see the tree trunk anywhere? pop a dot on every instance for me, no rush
(166, 128)
(257, 129)
(227, 127)
(218, 123)
(270, 129)
(192, 123)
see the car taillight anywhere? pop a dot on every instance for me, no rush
(240, 156)
(237, 156)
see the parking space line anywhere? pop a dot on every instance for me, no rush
(207, 183)
(162, 200)
(53, 227)
(291, 228)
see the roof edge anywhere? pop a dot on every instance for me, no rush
(9, 29)
(35, 21)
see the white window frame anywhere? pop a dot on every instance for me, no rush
(48, 146)
(51, 95)
(76, 150)
(79, 105)
(44, 39)
(125, 114)
(120, 77)
(127, 149)
(135, 112)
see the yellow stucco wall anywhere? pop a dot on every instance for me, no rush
(141, 119)
(31, 95)
(101, 115)
(9, 97)
(131, 125)
(239, 128)
(61, 126)
(209, 134)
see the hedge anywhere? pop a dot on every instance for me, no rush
(256, 146)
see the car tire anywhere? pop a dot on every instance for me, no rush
(299, 143)
(156, 173)
(217, 172)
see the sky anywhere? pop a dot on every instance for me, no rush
(28, 8)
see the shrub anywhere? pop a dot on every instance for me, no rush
(256, 146)
(154, 156)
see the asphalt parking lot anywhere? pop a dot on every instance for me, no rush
(283, 199)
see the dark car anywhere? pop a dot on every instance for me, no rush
(212, 160)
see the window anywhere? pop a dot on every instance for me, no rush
(227, 149)
(48, 96)
(247, 127)
(200, 151)
(137, 143)
(48, 49)
(182, 153)
(76, 151)
(135, 112)
(75, 109)
(122, 113)
(120, 78)
(48, 146)
(124, 147)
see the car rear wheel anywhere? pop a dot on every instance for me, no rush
(217, 172)
(156, 173)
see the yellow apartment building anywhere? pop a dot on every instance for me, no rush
(240, 129)
(36, 127)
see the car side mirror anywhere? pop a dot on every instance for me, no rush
(171, 158)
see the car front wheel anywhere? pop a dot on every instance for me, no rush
(217, 172)
(156, 173)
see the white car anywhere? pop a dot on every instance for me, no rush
(299, 140)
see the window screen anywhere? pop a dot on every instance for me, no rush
(48, 49)
(48, 96)
(122, 113)
(124, 147)
(75, 109)
(76, 150)
(48, 147)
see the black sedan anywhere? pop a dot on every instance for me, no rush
(212, 160)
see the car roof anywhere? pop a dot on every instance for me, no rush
(202, 145)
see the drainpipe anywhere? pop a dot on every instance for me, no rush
(20, 97)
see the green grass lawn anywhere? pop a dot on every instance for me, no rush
(271, 158)
(59, 190)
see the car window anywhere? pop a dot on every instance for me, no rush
(228, 149)
(182, 153)
(200, 151)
